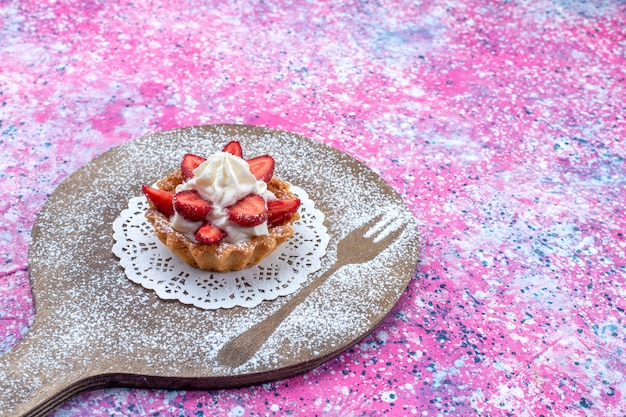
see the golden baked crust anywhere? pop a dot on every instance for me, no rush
(222, 256)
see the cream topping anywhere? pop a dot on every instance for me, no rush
(223, 179)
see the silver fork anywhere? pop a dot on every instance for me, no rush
(359, 246)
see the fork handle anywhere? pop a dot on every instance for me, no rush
(240, 349)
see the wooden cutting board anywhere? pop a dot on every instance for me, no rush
(95, 328)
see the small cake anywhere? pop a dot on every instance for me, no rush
(222, 213)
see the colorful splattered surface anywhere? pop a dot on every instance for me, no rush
(501, 125)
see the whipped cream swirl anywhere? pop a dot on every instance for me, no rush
(223, 179)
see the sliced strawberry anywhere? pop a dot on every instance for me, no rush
(262, 167)
(233, 147)
(280, 210)
(161, 199)
(248, 212)
(189, 163)
(209, 234)
(191, 205)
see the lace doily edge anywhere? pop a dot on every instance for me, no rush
(120, 241)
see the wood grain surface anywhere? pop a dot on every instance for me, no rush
(95, 328)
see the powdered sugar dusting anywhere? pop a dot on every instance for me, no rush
(98, 314)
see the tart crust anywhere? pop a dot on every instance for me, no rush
(222, 256)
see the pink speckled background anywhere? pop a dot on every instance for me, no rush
(501, 124)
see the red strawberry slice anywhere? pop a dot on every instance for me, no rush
(161, 199)
(191, 205)
(189, 163)
(209, 234)
(262, 167)
(233, 147)
(248, 212)
(280, 210)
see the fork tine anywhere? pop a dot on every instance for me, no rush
(388, 237)
(380, 230)
(369, 225)
(382, 223)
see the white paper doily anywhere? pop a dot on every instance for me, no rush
(148, 262)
